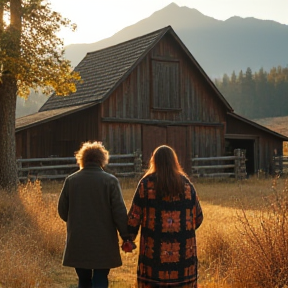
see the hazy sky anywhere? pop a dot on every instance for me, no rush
(99, 19)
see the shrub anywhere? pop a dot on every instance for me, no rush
(263, 243)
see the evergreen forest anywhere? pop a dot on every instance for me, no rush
(256, 95)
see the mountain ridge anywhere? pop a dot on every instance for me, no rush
(219, 46)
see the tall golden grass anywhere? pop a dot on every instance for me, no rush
(30, 236)
(242, 243)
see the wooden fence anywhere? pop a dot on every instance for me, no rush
(280, 165)
(130, 165)
(61, 167)
(226, 166)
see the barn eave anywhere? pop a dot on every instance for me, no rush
(38, 118)
(258, 126)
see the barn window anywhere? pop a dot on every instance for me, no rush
(165, 85)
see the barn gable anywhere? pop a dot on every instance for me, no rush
(103, 70)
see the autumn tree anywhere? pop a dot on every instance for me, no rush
(31, 57)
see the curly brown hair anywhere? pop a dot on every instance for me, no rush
(92, 152)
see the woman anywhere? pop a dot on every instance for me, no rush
(92, 205)
(166, 207)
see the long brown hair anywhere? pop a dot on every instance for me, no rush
(164, 163)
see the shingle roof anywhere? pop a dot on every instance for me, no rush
(103, 69)
(278, 124)
(261, 127)
(45, 116)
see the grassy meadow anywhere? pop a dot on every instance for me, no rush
(242, 243)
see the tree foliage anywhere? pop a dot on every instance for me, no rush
(39, 63)
(31, 57)
(259, 95)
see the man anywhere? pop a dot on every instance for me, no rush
(91, 203)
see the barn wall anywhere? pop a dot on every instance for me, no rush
(121, 138)
(202, 114)
(266, 152)
(207, 141)
(20, 147)
(60, 137)
(174, 136)
(266, 142)
(35, 142)
(188, 141)
(74, 129)
(132, 100)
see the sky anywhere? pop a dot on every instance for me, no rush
(100, 19)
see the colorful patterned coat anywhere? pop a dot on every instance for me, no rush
(167, 255)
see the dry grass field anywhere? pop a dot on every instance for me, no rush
(242, 243)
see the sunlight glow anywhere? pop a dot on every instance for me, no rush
(6, 18)
(102, 19)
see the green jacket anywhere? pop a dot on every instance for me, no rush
(91, 203)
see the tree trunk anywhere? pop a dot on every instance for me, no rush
(8, 90)
(8, 169)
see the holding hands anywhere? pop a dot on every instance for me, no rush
(127, 246)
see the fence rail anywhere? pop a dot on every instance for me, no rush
(280, 164)
(61, 167)
(235, 169)
(131, 165)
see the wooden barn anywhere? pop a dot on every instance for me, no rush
(140, 94)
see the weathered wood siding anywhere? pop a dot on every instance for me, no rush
(164, 99)
(121, 138)
(132, 100)
(201, 114)
(266, 141)
(175, 136)
(207, 141)
(60, 137)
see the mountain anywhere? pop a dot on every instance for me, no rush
(219, 46)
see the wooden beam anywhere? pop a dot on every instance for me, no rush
(28, 155)
(159, 122)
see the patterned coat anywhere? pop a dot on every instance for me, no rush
(167, 253)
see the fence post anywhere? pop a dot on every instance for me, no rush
(195, 164)
(237, 154)
(243, 164)
(277, 166)
(273, 165)
(138, 161)
(19, 163)
(240, 166)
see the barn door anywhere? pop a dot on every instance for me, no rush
(152, 137)
(174, 136)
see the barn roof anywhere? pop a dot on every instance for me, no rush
(263, 128)
(45, 116)
(103, 70)
(278, 124)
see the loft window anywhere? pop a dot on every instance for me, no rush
(166, 85)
